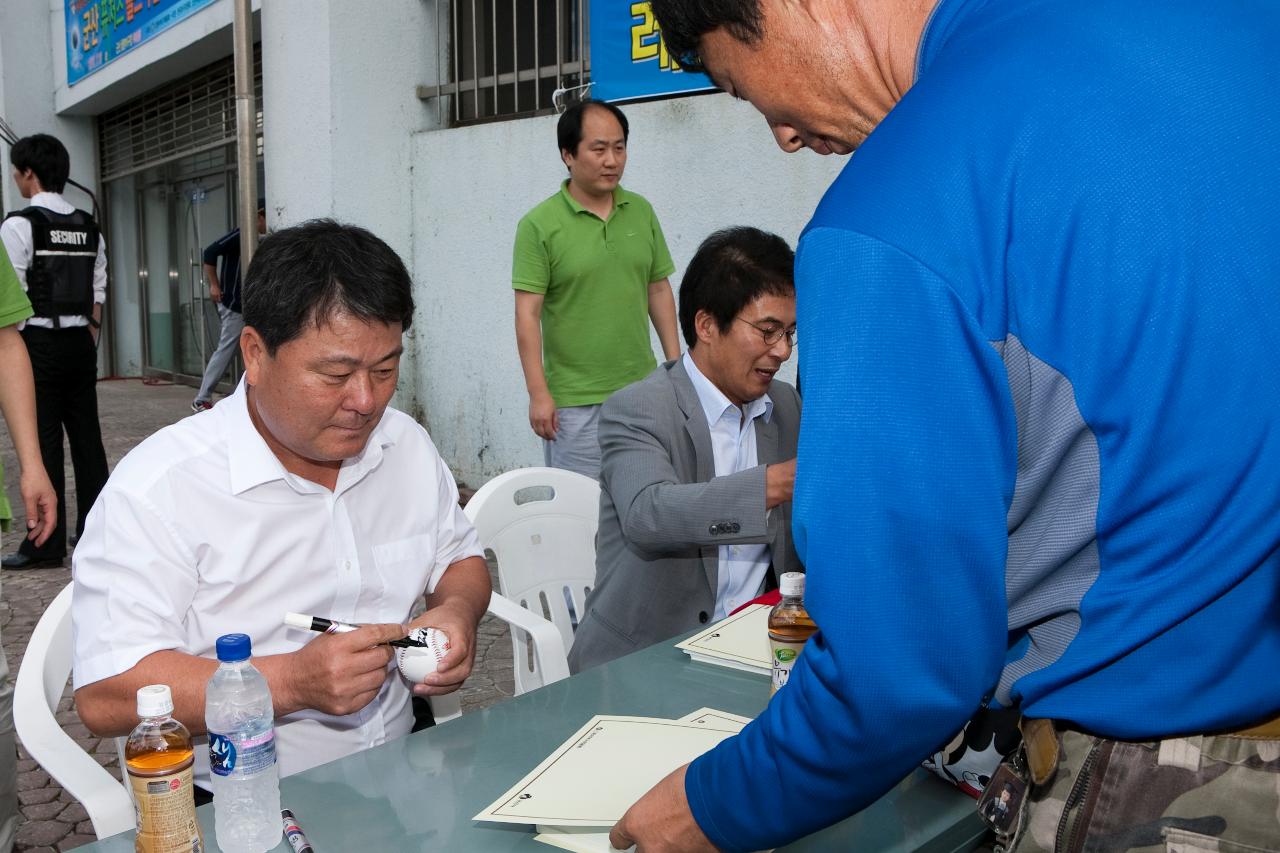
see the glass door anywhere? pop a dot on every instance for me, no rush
(202, 216)
(182, 207)
(156, 273)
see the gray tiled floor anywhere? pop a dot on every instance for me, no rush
(129, 411)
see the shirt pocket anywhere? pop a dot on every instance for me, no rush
(403, 566)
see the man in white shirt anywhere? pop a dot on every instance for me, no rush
(57, 252)
(698, 459)
(302, 492)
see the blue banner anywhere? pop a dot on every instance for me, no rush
(629, 59)
(99, 31)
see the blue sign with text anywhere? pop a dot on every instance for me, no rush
(629, 59)
(99, 31)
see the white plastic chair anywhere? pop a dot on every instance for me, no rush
(41, 679)
(549, 651)
(540, 524)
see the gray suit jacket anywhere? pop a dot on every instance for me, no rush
(664, 514)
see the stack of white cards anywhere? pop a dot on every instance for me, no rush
(583, 788)
(739, 641)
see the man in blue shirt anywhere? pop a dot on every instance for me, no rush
(1040, 306)
(224, 292)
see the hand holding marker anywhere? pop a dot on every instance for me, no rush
(418, 655)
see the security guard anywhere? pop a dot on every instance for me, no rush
(58, 254)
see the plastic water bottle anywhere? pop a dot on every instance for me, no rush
(159, 758)
(242, 751)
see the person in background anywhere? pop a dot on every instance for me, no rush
(40, 502)
(698, 459)
(590, 263)
(60, 259)
(1038, 465)
(224, 292)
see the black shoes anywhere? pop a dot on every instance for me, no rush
(22, 561)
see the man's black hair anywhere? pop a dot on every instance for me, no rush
(685, 22)
(569, 129)
(313, 271)
(46, 156)
(730, 270)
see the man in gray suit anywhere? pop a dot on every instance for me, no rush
(698, 459)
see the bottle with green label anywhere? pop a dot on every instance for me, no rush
(790, 627)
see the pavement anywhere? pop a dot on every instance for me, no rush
(129, 411)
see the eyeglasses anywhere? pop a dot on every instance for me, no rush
(773, 334)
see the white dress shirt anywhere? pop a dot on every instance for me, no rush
(201, 532)
(741, 568)
(16, 234)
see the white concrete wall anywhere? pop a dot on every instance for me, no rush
(339, 110)
(705, 162)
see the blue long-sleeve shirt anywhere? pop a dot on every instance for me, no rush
(225, 253)
(1042, 403)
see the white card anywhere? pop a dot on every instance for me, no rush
(596, 775)
(716, 719)
(741, 639)
(577, 840)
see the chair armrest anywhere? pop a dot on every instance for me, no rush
(547, 642)
(105, 799)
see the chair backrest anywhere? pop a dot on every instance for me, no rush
(41, 680)
(540, 524)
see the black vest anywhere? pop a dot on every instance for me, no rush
(64, 252)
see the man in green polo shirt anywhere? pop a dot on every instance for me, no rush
(590, 265)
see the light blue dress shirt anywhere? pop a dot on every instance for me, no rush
(741, 568)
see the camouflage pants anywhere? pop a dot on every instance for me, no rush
(1183, 795)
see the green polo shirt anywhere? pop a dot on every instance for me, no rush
(595, 276)
(14, 308)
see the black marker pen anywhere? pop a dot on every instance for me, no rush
(293, 833)
(327, 626)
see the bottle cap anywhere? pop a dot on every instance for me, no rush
(155, 700)
(792, 584)
(234, 647)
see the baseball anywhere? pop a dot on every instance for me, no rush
(420, 661)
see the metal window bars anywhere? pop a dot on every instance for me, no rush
(507, 58)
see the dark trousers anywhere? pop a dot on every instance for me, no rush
(65, 365)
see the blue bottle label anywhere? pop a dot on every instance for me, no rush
(222, 754)
(251, 757)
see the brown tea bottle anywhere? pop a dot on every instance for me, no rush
(790, 627)
(160, 760)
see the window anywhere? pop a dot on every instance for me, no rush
(506, 58)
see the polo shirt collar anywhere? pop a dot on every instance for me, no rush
(252, 462)
(715, 403)
(619, 198)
